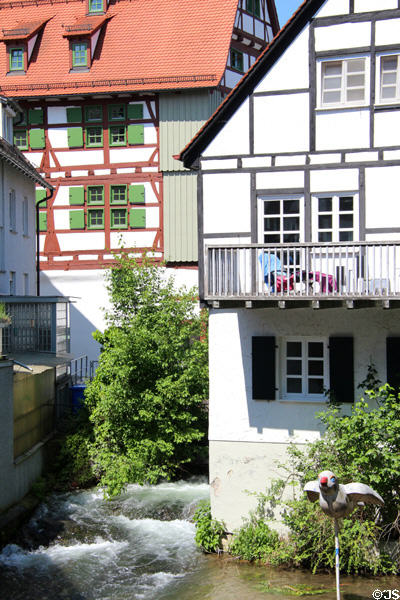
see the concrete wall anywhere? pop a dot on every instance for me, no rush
(16, 475)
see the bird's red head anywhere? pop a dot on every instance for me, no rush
(323, 480)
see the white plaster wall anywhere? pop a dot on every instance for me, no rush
(152, 217)
(333, 7)
(34, 157)
(387, 125)
(382, 197)
(61, 197)
(291, 70)
(226, 201)
(58, 138)
(342, 129)
(345, 35)
(374, 5)
(127, 155)
(234, 136)
(88, 240)
(280, 180)
(387, 32)
(19, 250)
(334, 180)
(56, 115)
(131, 239)
(234, 415)
(150, 134)
(281, 123)
(75, 158)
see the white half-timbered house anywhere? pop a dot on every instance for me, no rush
(299, 245)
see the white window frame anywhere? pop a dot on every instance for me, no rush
(335, 215)
(379, 77)
(304, 396)
(280, 197)
(12, 211)
(13, 283)
(25, 217)
(343, 103)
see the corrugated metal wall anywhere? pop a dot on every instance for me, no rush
(181, 116)
(180, 217)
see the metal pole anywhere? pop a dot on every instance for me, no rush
(337, 559)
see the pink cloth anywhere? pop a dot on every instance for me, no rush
(325, 281)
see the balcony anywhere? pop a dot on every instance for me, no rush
(351, 274)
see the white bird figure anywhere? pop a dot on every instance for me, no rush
(337, 501)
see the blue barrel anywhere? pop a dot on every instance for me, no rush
(77, 394)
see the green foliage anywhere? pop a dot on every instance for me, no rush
(255, 541)
(147, 402)
(4, 317)
(209, 531)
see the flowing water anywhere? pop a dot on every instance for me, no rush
(141, 547)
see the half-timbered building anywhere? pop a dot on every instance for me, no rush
(299, 241)
(112, 89)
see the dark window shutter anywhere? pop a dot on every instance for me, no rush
(35, 116)
(135, 111)
(393, 361)
(74, 114)
(341, 368)
(263, 368)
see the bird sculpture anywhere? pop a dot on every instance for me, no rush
(337, 501)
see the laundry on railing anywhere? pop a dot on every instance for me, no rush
(327, 282)
(274, 276)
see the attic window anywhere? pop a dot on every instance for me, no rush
(237, 60)
(79, 54)
(96, 6)
(17, 59)
(253, 7)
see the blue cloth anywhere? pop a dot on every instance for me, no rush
(272, 266)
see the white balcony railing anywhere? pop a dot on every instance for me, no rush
(310, 271)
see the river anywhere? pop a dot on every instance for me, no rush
(140, 546)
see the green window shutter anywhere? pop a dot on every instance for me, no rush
(76, 196)
(74, 114)
(36, 137)
(75, 137)
(40, 194)
(77, 219)
(135, 134)
(136, 194)
(35, 116)
(135, 111)
(138, 218)
(42, 221)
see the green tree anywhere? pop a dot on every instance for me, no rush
(147, 402)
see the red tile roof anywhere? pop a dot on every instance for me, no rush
(85, 26)
(21, 30)
(147, 45)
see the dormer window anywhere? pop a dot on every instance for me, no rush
(96, 6)
(17, 59)
(253, 7)
(79, 54)
(237, 60)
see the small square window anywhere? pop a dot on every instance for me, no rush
(96, 6)
(116, 112)
(79, 54)
(305, 369)
(118, 136)
(253, 7)
(16, 59)
(21, 139)
(94, 137)
(119, 194)
(343, 82)
(95, 218)
(119, 218)
(237, 60)
(95, 194)
(94, 113)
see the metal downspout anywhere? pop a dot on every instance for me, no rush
(38, 240)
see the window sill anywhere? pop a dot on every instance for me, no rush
(343, 107)
(79, 70)
(304, 400)
(14, 73)
(387, 106)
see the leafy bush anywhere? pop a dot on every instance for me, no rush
(147, 402)
(255, 541)
(209, 531)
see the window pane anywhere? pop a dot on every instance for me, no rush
(289, 238)
(388, 78)
(325, 221)
(272, 239)
(315, 386)
(291, 207)
(331, 97)
(291, 223)
(271, 207)
(325, 204)
(356, 65)
(333, 68)
(293, 386)
(355, 81)
(346, 236)
(332, 83)
(389, 92)
(293, 367)
(354, 95)
(316, 349)
(345, 221)
(325, 236)
(293, 349)
(389, 63)
(271, 224)
(315, 367)
(346, 203)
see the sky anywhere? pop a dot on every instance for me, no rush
(286, 8)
